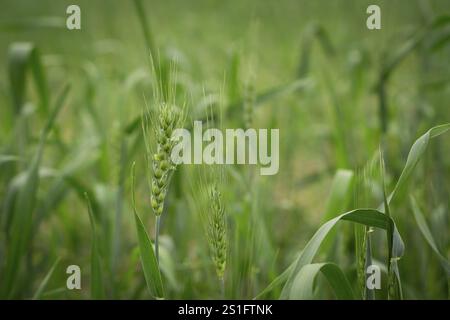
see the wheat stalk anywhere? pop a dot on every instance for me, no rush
(210, 204)
(163, 120)
(167, 119)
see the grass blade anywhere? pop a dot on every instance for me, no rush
(421, 222)
(22, 57)
(339, 194)
(313, 32)
(337, 203)
(415, 154)
(44, 282)
(148, 259)
(96, 269)
(145, 26)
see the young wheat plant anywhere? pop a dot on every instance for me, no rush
(209, 200)
(163, 120)
(210, 204)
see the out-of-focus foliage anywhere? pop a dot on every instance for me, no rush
(72, 105)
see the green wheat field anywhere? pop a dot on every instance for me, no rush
(359, 208)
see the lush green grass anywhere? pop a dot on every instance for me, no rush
(364, 164)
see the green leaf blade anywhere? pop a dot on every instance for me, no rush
(303, 284)
(148, 258)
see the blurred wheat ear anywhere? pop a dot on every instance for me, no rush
(210, 205)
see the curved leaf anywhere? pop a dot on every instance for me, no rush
(303, 284)
(415, 154)
(368, 217)
(421, 222)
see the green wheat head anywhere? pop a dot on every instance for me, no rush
(217, 234)
(167, 121)
(163, 118)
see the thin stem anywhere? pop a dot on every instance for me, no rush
(222, 287)
(157, 223)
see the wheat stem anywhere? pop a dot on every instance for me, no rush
(222, 287)
(157, 223)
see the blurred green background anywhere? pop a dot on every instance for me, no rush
(337, 91)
